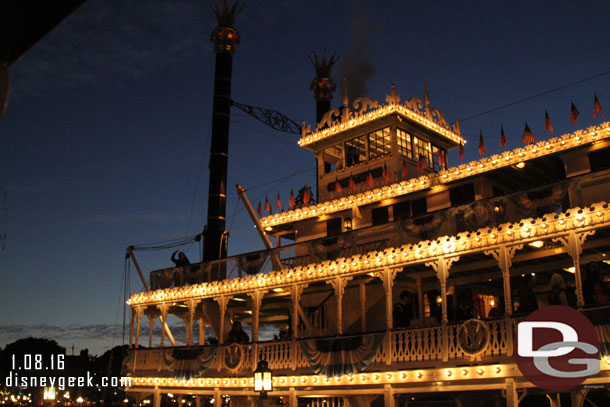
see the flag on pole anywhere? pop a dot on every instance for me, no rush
(267, 205)
(528, 136)
(291, 200)
(278, 201)
(338, 187)
(385, 174)
(405, 169)
(481, 144)
(369, 180)
(421, 163)
(573, 113)
(547, 122)
(597, 107)
(441, 158)
(461, 151)
(352, 184)
(259, 210)
(502, 136)
(306, 196)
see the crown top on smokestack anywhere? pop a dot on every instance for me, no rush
(322, 85)
(226, 16)
(324, 65)
(224, 36)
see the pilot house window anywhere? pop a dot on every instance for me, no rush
(404, 143)
(421, 149)
(363, 148)
(355, 151)
(379, 143)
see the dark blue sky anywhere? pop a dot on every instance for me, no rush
(102, 141)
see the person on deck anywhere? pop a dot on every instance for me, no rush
(558, 295)
(527, 298)
(237, 334)
(601, 291)
(403, 311)
(182, 260)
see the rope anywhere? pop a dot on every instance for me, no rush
(495, 109)
(118, 307)
(203, 159)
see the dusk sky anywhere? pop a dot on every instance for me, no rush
(110, 114)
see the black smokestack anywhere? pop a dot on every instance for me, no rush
(322, 85)
(224, 37)
(356, 67)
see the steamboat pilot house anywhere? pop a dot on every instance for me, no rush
(393, 223)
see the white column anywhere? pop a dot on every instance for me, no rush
(512, 398)
(574, 242)
(163, 308)
(339, 284)
(295, 296)
(504, 256)
(387, 276)
(139, 311)
(388, 396)
(442, 266)
(131, 322)
(256, 299)
(192, 306)
(157, 398)
(222, 304)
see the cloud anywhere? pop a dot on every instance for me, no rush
(109, 39)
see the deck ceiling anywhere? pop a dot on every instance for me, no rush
(23, 23)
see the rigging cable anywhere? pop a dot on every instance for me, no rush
(203, 159)
(495, 109)
(121, 293)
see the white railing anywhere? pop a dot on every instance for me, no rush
(421, 344)
(277, 354)
(399, 347)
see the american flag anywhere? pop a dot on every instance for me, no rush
(405, 169)
(528, 136)
(259, 210)
(481, 144)
(352, 184)
(385, 174)
(597, 107)
(338, 187)
(441, 158)
(369, 180)
(422, 164)
(547, 122)
(461, 151)
(278, 201)
(267, 205)
(573, 113)
(502, 136)
(291, 200)
(306, 196)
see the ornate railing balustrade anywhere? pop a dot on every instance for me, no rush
(472, 341)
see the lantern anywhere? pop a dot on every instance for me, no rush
(263, 380)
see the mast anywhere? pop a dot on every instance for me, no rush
(225, 38)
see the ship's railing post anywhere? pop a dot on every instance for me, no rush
(445, 341)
